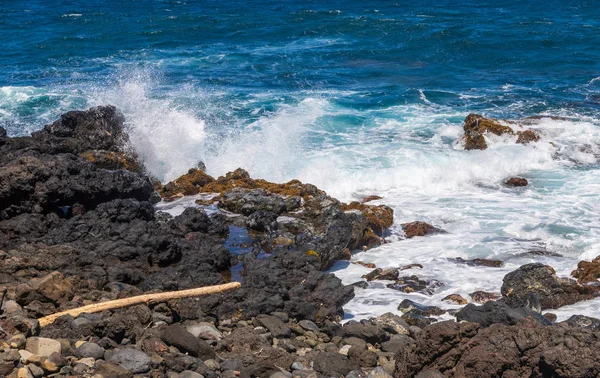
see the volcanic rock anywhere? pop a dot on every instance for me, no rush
(420, 229)
(516, 181)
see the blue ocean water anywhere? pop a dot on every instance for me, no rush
(356, 97)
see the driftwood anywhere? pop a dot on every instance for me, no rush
(146, 298)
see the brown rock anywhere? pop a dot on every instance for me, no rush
(366, 265)
(476, 126)
(516, 181)
(455, 298)
(527, 136)
(420, 229)
(370, 198)
(483, 296)
(380, 274)
(379, 218)
(587, 271)
(189, 184)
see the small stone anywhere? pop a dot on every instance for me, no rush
(308, 325)
(356, 374)
(311, 342)
(24, 354)
(205, 331)
(92, 350)
(80, 321)
(88, 361)
(107, 369)
(281, 374)
(389, 367)
(131, 359)
(345, 349)
(176, 335)
(24, 373)
(42, 346)
(379, 372)
(50, 366)
(298, 366)
(455, 298)
(36, 371)
(282, 315)
(365, 358)
(277, 327)
(17, 341)
(232, 364)
(212, 364)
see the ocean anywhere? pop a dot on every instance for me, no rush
(358, 98)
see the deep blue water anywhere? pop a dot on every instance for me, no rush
(358, 97)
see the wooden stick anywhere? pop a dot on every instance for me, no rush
(146, 298)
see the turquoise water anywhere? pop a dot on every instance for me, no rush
(356, 97)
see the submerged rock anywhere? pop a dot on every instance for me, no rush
(477, 126)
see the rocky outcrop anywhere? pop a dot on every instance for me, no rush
(541, 281)
(527, 349)
(516, 182)
(477, 127)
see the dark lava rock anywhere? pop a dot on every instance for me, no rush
(413, 284)
(365, 358)
(246, 202)
(380, 274)
(133, 360)
(333, 364)
(495, 312)
(478, 262)
(541, 280)
(408, 305)
(516, 181)
(526, 349)
(176, 335)
(106, 369)
(262, 220)
(92, 350)
(420, 229)
(368, 332)
(583, 322)
(277, 327)
(397, 343)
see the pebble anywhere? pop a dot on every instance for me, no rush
(204, 330)
(308, 325)
(92, 350)
(298, 366)
(36, 371)
(345, 349)
(379, 372)
(24, 373)
(131, 359)
(87, 361)
(212, 364)
(281, 374)
(190, 374)
(25, 355)
(17, 341)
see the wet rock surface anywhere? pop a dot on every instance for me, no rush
(477, 128)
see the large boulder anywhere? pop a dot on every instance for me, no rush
(542, 282)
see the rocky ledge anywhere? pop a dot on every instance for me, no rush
(78, 226)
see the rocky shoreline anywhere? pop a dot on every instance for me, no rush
(78, 226)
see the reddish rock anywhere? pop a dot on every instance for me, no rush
(370, 198)
(527, 136)
(516, 181)
(420, 229)
(478, 262)
(476, 126)
(587, 271)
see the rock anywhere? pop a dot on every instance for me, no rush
(189, 184)
(52, 287)
(516, 181)
(205, 331)
(368, 332)
(526, 349)
(527, 136)
(379, 218)
(92, 350)
(397, 343)
(550, 316)
(413, 284)
(42, 346)
(356, 374)
(277, 328)
(379, 372)
(108, 370)
(212, 365)
(587, 271)
(299, 366)
(365, 358)
(8, 362)
(24, 373)
(483, 296)
(477, 126)
(36, 371)
(345, 350)
(408, 305)
(280, 374)
(328, 363)
(455, 298)
(541, 281)
(583, 322)
(176, 335)
(392, 323)
(420, 229)
(133, 360)
(478, 262)
(380, 274)
(495, 312)
(190, 374)
(262, 221)
(17, 341)
(309, 326)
